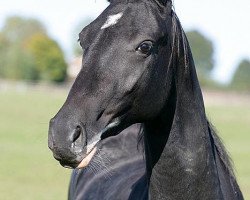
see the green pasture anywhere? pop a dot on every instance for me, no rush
(233, 125)
(28, 170)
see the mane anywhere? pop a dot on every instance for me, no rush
(140, 143)
(216, 141)
(224, 157)
(181, 52)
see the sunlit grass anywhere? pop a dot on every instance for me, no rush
(28, 171)
(233, 125)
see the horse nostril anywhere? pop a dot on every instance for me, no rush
(78, 138)
(77, 133)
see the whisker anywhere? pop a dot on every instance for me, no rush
(100, 165)
(104, 163)
(95, 168)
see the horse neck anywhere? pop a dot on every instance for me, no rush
(183, 161)
(178, 151)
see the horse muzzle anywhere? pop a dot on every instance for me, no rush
(68, 143)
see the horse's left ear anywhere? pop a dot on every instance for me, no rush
(165, 2)
(110, 1)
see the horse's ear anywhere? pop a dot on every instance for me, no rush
(110, 1)
(165, 2)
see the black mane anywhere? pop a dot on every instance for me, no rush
(188, 94)
(215, 139)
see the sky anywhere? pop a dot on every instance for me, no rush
(225, 22)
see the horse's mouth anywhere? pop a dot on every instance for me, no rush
(82, 164)
(87, 159)
(70, 164)
(79, 161)
(112, 129)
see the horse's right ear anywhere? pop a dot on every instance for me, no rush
(165, 2)
(111, 1)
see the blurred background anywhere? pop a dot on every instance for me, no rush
(40, 57)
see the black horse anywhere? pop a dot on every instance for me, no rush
(138, 68)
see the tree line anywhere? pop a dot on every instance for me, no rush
(203, 51)
(27, 52)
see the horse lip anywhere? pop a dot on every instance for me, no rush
(73, 163)
(69, 165)
(89, 155)
(85, 161)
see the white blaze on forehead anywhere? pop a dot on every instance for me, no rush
(112, 20)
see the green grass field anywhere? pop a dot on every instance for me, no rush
(28, 171)
(233, 126)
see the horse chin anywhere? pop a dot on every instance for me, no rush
(67, 165)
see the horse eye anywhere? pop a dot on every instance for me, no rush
(145, 47)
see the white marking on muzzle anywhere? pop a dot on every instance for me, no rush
(112, 20)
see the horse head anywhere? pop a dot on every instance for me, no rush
(125, 77)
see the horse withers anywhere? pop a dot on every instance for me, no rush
(138, 68)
